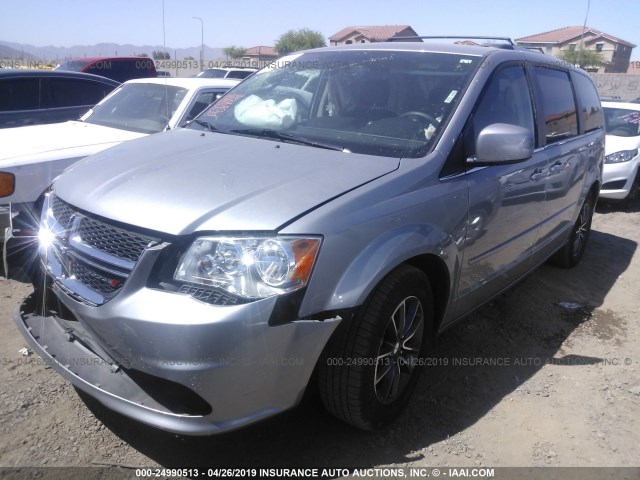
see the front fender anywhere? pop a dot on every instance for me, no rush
(384, 254)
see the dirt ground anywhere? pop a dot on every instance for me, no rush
(548, 374)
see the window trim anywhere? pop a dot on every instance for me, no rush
(581, 127)
(540, 106)
(448, 170)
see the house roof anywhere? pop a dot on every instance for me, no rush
(261, 50)
(381, 32)
(566, 34)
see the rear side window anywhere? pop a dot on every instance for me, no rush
(20, 94)
(213, 73)
(591, 117)
(558, 104)
(65, 92)
(115, 69)
(73, 65)
(123, 69)
(238, 74)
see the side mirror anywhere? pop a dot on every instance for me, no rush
(503, 143)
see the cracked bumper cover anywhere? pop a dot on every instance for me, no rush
(137, 355)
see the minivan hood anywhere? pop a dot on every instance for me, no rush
(614, 143)
(35, 143)
(186, 181)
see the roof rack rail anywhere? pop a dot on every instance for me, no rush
(508, 42)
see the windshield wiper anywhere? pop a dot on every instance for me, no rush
(207, 125)
(286, 137)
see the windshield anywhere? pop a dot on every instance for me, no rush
(212, 73)
(138, 107)
(384, 103)
(73, 65)
(622, 122)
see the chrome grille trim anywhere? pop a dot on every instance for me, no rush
(93, 237)
(61, 211)
(112, 240)
(90, 259)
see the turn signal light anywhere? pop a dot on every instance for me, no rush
(7, 184)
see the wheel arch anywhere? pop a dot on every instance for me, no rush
(595, 190)
(440, 280)
(354, 277)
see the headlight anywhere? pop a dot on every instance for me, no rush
(252, 267)
(622, 156)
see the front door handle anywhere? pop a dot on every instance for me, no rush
(556, 168)
(537, 174)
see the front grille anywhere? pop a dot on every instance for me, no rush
(96, 279)
(92, 258)
(99, 235)
(112, 240)
(62, 212)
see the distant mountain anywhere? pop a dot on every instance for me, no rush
(10, 52)
(50, 52)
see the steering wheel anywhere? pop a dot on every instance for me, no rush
(425, 116)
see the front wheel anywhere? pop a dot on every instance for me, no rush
(571, 254)
(370, 366)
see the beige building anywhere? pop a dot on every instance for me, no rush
(350, 35)
(260, 54)
(615, 52)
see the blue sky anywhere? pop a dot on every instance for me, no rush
(259, 22)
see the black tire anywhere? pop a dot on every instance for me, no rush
(369, 371)
(571, 254)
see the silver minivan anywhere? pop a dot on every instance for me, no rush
(331, 214)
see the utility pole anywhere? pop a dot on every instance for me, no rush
(201, 42)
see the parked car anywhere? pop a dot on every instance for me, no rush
(31, 157)
(118, 68)
(314, 219)
(231, 72)
(620, 176)
(31, 97)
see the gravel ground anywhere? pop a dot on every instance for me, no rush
(545, 375)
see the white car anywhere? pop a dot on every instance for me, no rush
(31, 157)
(227, 72)
(620, 176)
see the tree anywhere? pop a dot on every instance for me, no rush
(295, 40)
(143, 55)
(586, 58)
(159, 55)
(189, 58)
(234, 52)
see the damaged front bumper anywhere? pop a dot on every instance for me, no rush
(173, 362)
